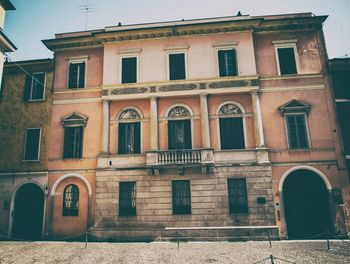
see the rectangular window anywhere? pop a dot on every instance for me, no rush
(287, 60)
(227, 63)
(32, 144)
(34, 87)
(237, 194)
(181, 197)
(127, 198)
(77, 74)
(231, 133)
(297, 134)
(73, 142)
(177, 67)
(129, 138)
(129, 70)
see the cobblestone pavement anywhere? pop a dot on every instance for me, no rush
(165, 252)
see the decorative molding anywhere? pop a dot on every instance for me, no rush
(285, 41)
(129, 114)
(294, 106)
(77, 101)
(78, 58)
(176, 48)
(229, 109)
(226, 45)
(129, 51)
(74, 119)
(179, 111)
(292, 88)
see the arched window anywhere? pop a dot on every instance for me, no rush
(179, 128)
(129, 132)
(231, 127)
(70, 201)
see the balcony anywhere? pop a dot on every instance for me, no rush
(180, 158)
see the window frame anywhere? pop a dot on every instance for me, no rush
(174, 52)
(81, 141)
(31, 87)
(231, 209)
(243, 115)
(125, 56)
(65, 210)
(283, 44)
(307, 134)
(178, 210)
(127, 213)
(25, 145)
(83, 59)
(119, 121)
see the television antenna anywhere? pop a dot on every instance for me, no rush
(86, 8)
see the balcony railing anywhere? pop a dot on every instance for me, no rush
(179, 157)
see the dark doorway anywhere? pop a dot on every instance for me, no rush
(28, 212)
(306, 205)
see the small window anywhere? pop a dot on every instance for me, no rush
(297, 134)
(77, 74)
(70, 201)
(237, 194)
(227, 62)
(177, 67)
(181, 197)
(73, 142)
(34, 87)
(129, 70)
(73, 135)
(32, 144)
(127, 198)
(287, 60)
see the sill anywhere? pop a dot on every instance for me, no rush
(127, 216)
(299, 149)
(75, 88)
(36, 100)
(70, 215)
(30, 160)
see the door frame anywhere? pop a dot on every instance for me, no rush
(12, 206)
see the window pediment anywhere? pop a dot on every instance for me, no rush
(294, 106)
(74, 119)
(129, 114)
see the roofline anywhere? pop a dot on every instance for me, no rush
(28, 62)
(6, 42)
(7, 5)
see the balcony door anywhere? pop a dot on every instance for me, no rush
(179, 128)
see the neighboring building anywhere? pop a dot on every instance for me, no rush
(214, 127)
(340, 72)
(5, 44)
(25, 114)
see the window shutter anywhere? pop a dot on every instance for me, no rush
(72, 82)
(32, 144)
(287, 61)
(171, 135)
(221, 55)
(177, 66)
(137, 138)
(122, 134)
(81, 75)
(129, 70)
(27, 88)
(231, 133)
(188, 139)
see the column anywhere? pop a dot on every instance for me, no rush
(154, 123)
(105, 131)
(258, 126)
(205, 121)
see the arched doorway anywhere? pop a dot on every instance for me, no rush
(28, 212)
(306, 204)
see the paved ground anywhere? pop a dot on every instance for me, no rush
(164, 252)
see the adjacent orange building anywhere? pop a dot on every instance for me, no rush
(219, 128)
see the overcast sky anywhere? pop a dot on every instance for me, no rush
(35, 20)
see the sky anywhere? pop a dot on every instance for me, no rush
(35, 20)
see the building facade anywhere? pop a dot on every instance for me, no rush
(5, 44)
(25, 114)
(340, 75)
(209, 127)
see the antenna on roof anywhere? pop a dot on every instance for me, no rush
(86, 9)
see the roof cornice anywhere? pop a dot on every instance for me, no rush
(96, 38)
